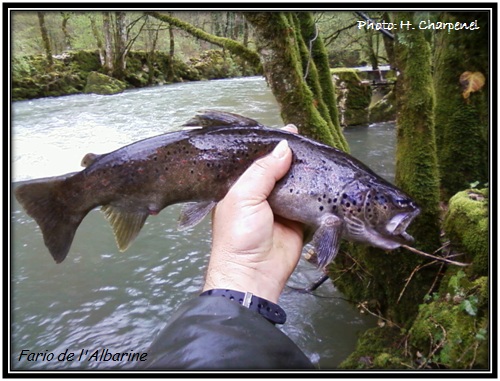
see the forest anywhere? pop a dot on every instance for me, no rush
(432, 314)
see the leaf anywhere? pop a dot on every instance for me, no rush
(469, 307)
(471, 82)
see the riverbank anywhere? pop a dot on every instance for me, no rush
(33, 78)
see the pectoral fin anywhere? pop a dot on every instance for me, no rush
(126, 225)
(193, 212)
(326, 239)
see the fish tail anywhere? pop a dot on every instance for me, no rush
(57, 219)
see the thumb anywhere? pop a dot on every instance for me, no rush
(258, 181)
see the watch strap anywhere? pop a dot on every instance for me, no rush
(271, 311)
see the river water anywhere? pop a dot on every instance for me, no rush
(99, 298)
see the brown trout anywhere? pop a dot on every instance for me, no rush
(333, 194)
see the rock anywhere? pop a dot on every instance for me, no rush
(102, 84)
(384, 110)
(353, 97)
(466, 225)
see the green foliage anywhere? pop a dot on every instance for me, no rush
(451, 329)
(348, 46)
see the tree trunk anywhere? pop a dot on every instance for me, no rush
(64, 27)
(396, 281)
(319, 78)
(45, 38)
(461, 124)
(279, 50)
(416, 153)
(120, 51)
(232, 46)
(108, 44)
(97, 36)
(371, 50)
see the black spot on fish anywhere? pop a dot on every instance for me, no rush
(321, 208)
(291, 190)
(319, 199)
(348, 205)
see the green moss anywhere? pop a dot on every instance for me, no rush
(461, 125)
(466, 225)
(377, 348)
(316, 73)
(464, 157)
(416, 154)
(451, 331)
(353, 97)
(84, 61)
(215, 64)
(384, 110)
(98, 83)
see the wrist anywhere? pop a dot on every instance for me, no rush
(242, 278)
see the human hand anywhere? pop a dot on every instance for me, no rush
(253, 250)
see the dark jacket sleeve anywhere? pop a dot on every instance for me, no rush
(215, 333)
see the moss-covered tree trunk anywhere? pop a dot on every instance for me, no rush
(394, 284)
(416, 154)
(461, 123)
(317, 74)
(306, 97)
(279, 43)
(234, 47)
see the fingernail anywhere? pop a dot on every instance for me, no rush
(280, 150)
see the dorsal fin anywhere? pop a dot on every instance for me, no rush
(213, 118)
(126, 225)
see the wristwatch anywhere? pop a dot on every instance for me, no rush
(271, 311)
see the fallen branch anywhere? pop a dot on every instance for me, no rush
(434, 257)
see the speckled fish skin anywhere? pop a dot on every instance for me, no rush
(332, 193)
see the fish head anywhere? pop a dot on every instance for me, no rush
(380, 215)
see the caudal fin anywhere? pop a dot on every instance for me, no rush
(42, 200)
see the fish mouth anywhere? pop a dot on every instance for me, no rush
(399, 223)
